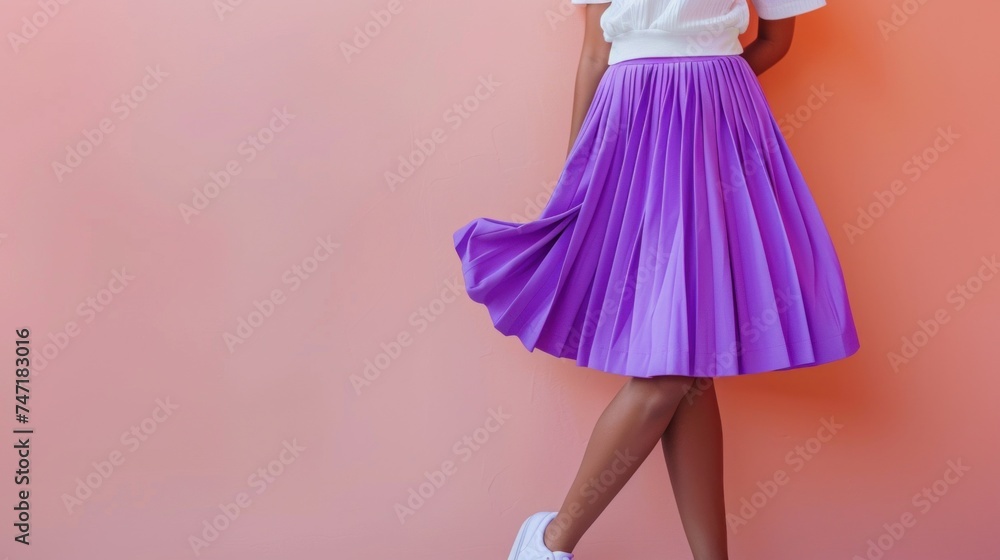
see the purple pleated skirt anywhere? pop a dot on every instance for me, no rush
(680, 237)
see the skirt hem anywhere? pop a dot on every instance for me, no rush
(770, 361)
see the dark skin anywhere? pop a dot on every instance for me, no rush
(681, 415)
(774, 37)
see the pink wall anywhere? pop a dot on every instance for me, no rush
(155, 394)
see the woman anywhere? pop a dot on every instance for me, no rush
(680, 244)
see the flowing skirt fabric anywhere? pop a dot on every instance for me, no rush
(680, 237)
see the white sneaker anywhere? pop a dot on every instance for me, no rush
(530, 541)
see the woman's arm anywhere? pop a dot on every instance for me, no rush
(774, 37)
(593, 63)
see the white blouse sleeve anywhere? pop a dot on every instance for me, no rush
(589, 1)
(780, 9)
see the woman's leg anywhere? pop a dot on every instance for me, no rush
(692, 446)
(625, 434)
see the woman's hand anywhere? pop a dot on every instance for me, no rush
(774, 37)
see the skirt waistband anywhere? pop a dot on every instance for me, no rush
(675, 59)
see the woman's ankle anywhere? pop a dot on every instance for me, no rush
(554, 537)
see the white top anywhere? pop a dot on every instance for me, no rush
(641, 28)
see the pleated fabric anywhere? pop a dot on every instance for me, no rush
(680, 237)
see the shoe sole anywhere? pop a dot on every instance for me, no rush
(527, 528)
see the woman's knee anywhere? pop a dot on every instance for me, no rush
(662, 393)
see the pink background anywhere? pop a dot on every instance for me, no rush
(384, 286)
